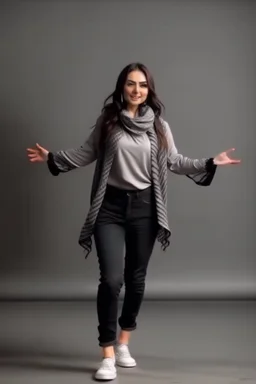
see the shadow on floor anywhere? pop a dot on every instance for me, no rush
(151, 367)
(46, 360)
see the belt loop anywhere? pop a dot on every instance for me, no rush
(128, 203)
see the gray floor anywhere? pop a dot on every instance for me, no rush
(176, 342)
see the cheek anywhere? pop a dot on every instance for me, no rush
(126, 92)
(144, 93)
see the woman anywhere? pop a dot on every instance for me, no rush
(134, 149)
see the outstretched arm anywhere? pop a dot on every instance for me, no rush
(69, 159)
(201, 171)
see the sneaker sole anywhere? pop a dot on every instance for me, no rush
(126, 365)
(105, 377)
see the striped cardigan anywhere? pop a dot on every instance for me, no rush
(200, 171)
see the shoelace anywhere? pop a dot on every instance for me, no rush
(124, 351)
(108, 363)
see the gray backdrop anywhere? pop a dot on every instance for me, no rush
(59, 60)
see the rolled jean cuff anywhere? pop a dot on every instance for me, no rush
(124, 327)
(105, 344)
(128, 329)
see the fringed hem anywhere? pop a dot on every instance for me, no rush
(163, 237)
(86, 245)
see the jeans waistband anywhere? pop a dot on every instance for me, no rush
(118, 192)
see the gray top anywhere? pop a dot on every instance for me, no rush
(131, 168)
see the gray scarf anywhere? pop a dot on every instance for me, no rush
(136, 126)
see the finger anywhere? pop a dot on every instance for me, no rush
(235, 161)
(39, 147)
(33, 155)
(31, 150)
(230, 150)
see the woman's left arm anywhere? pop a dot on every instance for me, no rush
(201, 171)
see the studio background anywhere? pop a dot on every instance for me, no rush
(59, 61)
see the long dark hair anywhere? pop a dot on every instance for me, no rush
(111, 110)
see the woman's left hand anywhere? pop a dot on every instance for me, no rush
(224, 159)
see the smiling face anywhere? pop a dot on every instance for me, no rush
(135, 89)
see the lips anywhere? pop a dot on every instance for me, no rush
(135, 98)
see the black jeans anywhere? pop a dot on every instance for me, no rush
(127, 220)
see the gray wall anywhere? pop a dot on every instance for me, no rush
(59, 60)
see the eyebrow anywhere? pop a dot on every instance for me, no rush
(141, 82)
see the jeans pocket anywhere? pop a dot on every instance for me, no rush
(145, 201)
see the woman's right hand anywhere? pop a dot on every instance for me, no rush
(37, 154)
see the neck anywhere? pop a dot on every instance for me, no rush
(132, 110)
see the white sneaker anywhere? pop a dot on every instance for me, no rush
(107, 370)
(123, 356)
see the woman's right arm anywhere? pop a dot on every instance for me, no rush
(69, 159)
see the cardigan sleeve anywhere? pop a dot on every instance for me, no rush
(201, 171)
(69, 159)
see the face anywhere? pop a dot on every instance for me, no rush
(135, 88)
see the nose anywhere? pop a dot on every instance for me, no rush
(136, 88)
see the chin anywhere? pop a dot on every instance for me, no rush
(137, 102)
